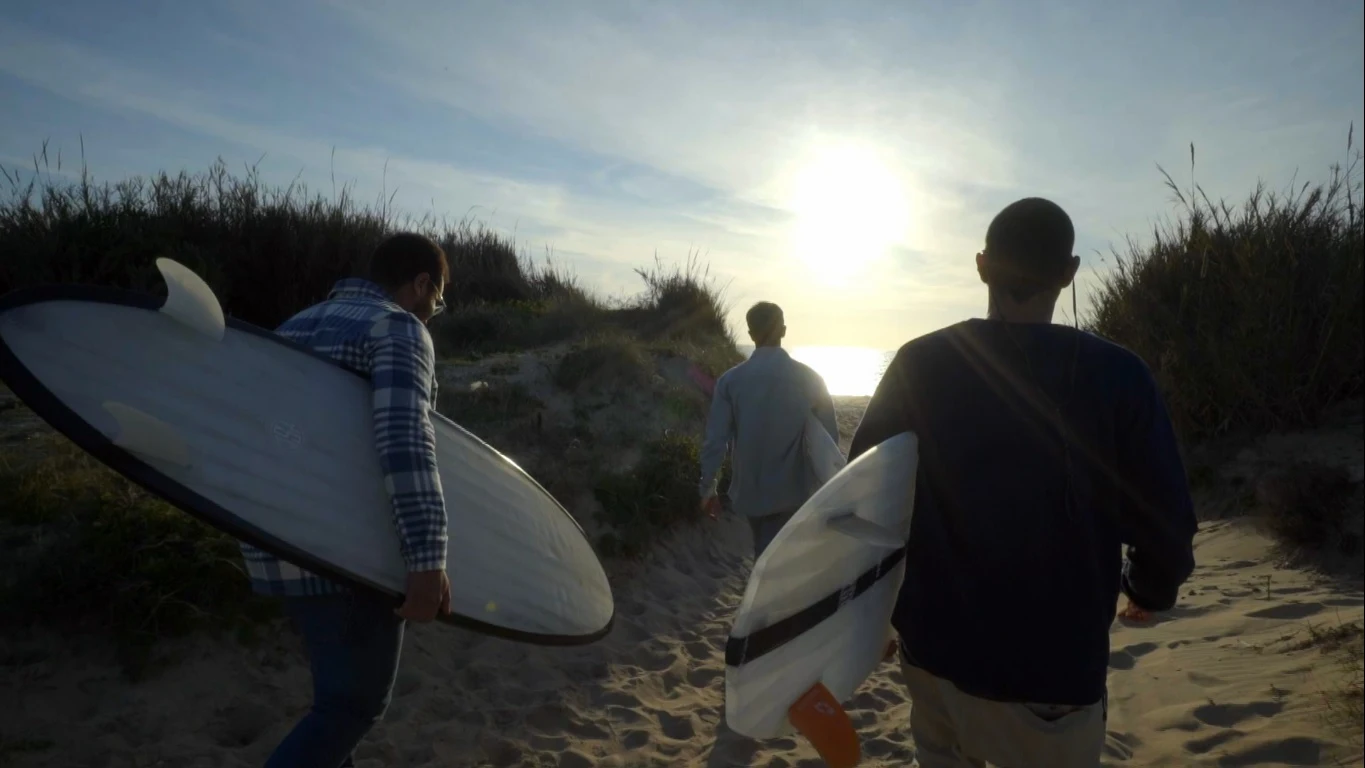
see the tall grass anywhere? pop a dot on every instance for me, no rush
(97, 551)
(268, 252)
(87, 549)
(1250, 316)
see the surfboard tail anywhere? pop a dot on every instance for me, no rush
(822, 720)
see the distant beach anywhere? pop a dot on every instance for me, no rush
(847, 371)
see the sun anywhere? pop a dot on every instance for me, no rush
(850, 208)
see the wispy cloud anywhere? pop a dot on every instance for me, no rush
(612, 131)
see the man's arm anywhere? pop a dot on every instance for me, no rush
(1158, 522)
(402, 363)
(885, 416)
(719, 429)
(824, 407)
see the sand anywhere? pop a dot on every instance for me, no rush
(1224, 679)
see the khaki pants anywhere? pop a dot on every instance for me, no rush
(954, 730)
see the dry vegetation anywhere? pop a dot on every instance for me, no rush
(1250, 317)
(147, 571)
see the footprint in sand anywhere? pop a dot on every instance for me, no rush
(1121, 746)
(699, 651)
(1287, 611)
(704, 677)
(572, 759)
(676, 728)
(500, 751)
(543, 743)
(886, 748)
(1230, 715)
(1343, 602)
(1296, 750)
(617, 700)
(1126, 658)
(1205, 681)
(1209, 743)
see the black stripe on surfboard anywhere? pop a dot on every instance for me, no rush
(62, 418)
(742, 650)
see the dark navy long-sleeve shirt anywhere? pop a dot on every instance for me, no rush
(1044, 452)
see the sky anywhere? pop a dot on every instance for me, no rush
(841, 159)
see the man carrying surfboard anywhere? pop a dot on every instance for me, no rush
(1044, 451)
(376, 325)
(759, 409)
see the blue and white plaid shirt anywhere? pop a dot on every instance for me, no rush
(362, 328)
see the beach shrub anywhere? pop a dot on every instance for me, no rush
(1346, 704)
(657, 494)
(87, 549)
(614, 361)
(498, 402)
(1250, 317)
(1307, 505)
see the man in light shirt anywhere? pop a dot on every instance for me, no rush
(759, 410)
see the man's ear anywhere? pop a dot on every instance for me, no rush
(1071, 269)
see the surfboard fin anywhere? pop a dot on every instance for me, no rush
(146, 435)
(866, 531)
(822, 720)
(190, 300)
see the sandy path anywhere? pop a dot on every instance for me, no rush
(1216, 682)
(1223, 679)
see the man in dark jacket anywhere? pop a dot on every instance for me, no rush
(1043, 452)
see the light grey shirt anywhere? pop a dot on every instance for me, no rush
(759, 409)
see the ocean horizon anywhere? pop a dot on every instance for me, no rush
(848, 371)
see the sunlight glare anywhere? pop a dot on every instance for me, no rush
(850, 207)
(847, 371)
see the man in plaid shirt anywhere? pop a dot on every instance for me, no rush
(377, 325)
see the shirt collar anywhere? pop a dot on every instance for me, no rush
(358, 288)
(768, 352)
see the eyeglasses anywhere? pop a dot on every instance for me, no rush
(440, 305)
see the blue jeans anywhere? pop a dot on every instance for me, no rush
(765, 529)
(353, 643)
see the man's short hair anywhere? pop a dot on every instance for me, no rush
(763, 318)
(1028, 247)
(400, 258)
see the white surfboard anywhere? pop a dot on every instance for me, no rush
(817, 608)
(823, 456)
(274, 444)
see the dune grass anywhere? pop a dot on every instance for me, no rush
(1251, 320)
(1342, 696)
(613, 361)
(94, 551)
(87, 549)
(268, 252)
(1250, 317)
(658, 494)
